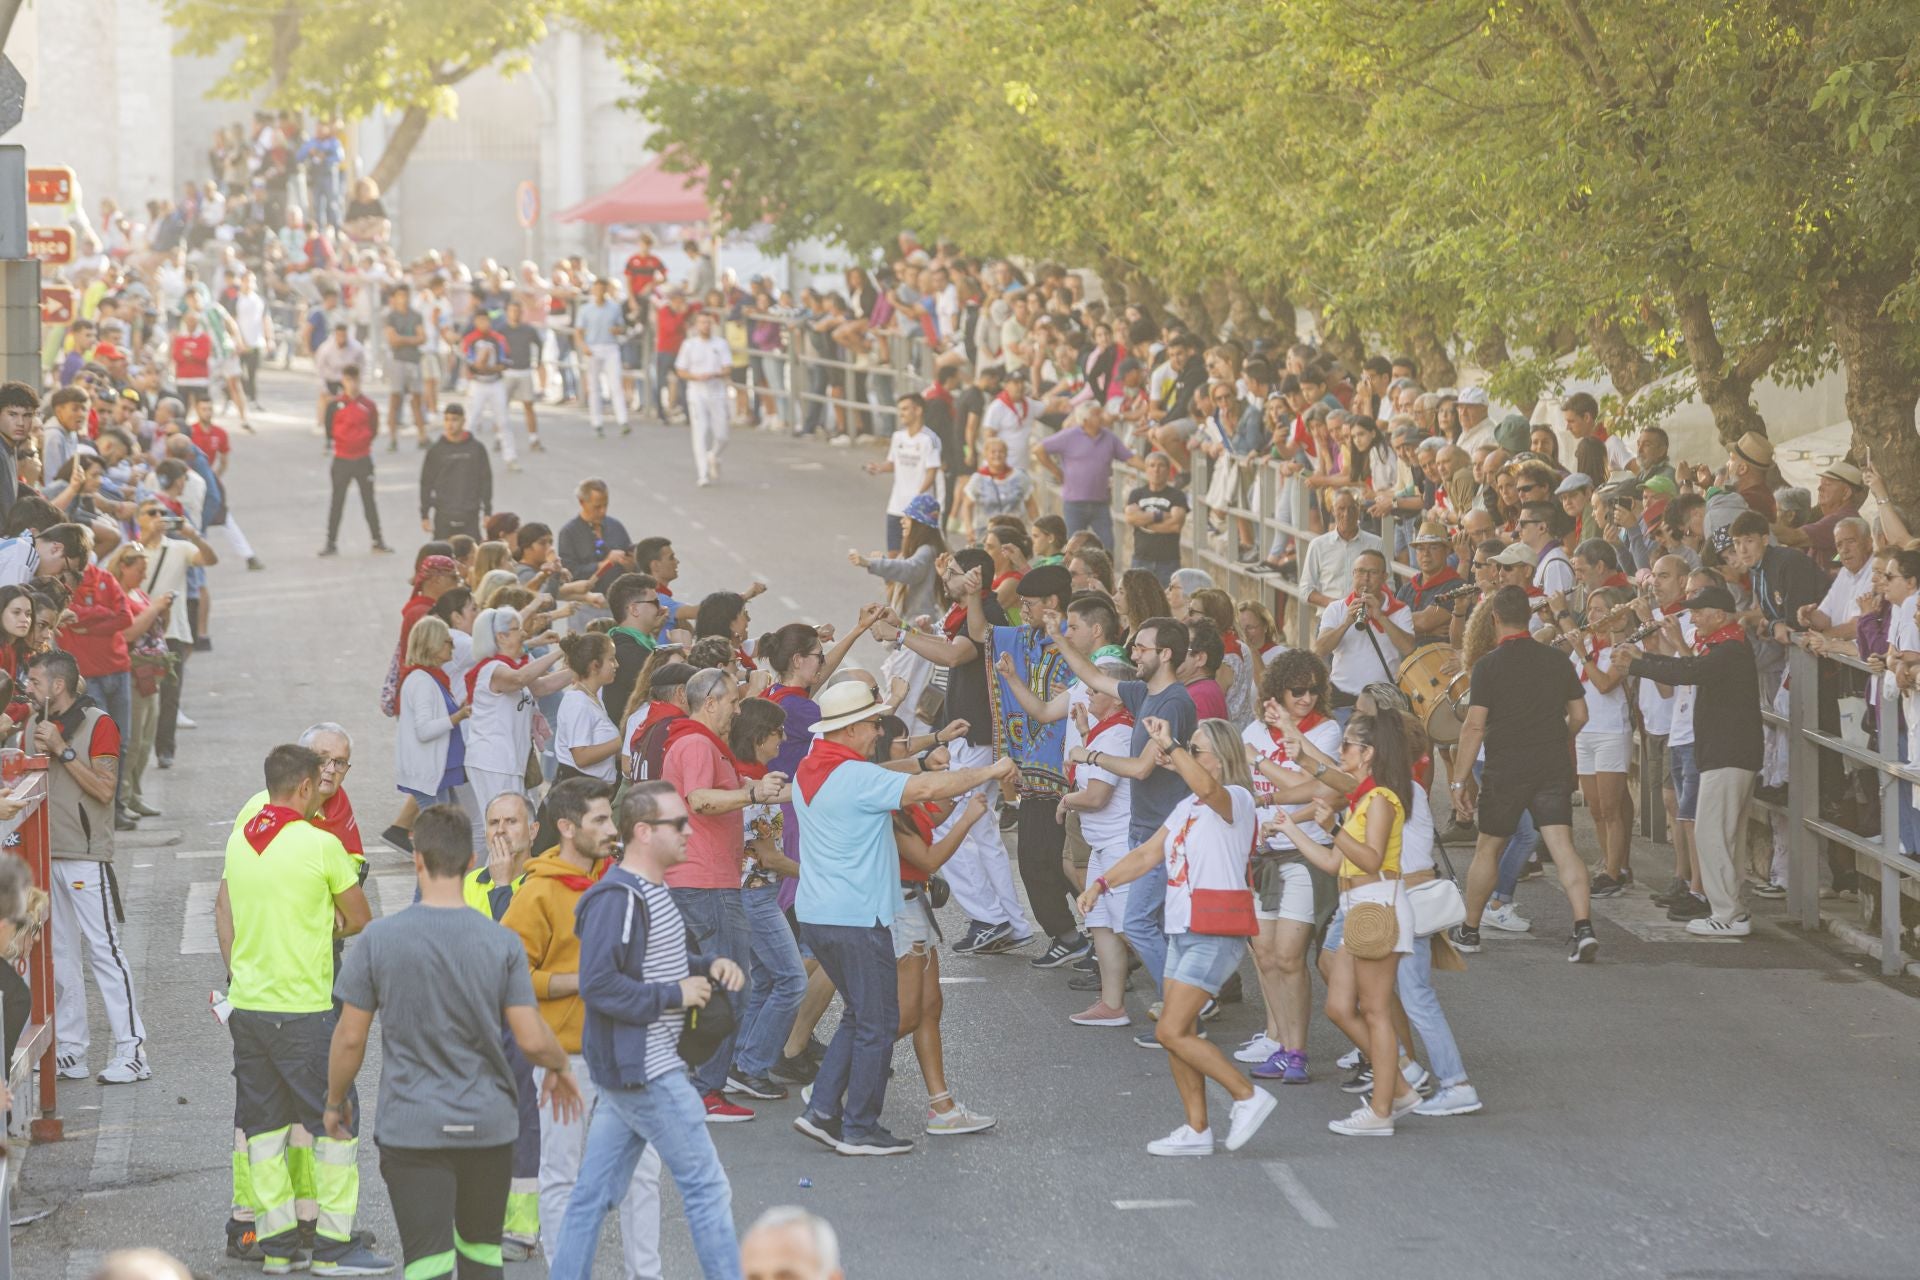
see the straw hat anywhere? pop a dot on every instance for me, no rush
(846, 704)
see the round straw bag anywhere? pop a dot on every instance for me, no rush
(1372, 930)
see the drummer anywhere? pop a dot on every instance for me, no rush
(1431, 548)
(1364, 636)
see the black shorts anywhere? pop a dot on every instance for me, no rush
(280, 1070)
(1508, 791)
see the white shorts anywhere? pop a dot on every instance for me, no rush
(1602, 752)
(1110, 911)
(403, 377)
(1282, 890)
(911, 927)
(1390, 893)
(431, 366)
(519, 385)
(227, 367)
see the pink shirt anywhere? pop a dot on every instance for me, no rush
(716, 843)
(1209, 702)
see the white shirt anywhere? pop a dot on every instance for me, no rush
(1842, 603)
(1356, 660)
(500, 730)
(433, 314)
(1606, 712)
(461, 663)
(1680, 733)
(706, 355)
(913, 456)
(1554, 572)
(1014, 424)
(1203, 851)
(1416, 834)
(167, 566)
(1106, 828)
(1903, 636)
(1328, 567)
(250, 313)
(1325, 736)
(583, 722)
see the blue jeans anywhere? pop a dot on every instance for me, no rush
(1909, 818)
(668, 1113)
(1423, 1011)
(779, 981)
(1162, 570)
(1145, 925)
(852, 1084)
(662, 382)
(114, 693)
(1520, 847)
(1096, 515)
(816, 411)
(719, 926)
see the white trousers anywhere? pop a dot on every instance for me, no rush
(237, 539)
(603, 361)
(489, 404)
(1719, 836)
(85, 934)
(562, 1144)
(707, 414)
(979, 872)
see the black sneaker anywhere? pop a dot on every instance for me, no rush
(1091, 982)
(1689, 908)
(824, 1132)
(329, 550)
(1361, 1079)
(1675, 890)
(876, 1143)
(970, 940)
(1605, 886)
(1465, 939)
(399, 837)
(1009, 819)
(1063, 952)
(997, 938)
(1585, 948)
(760, 1087)
(1533, 870)
(1088, 963)
(815, 1050)
(244, 1246)
(794, 1072)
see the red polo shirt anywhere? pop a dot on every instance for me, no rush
(356, 424)
(101, 616)
(191, 354)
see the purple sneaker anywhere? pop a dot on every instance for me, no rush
(1295, 1067)
(1274, 1068)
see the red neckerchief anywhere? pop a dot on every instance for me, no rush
(473, 676)
(1594, 650)
(991, 474)
(687, 727)
(1522, 635)
(1281, 755)
(579, 883)
(746, 660)
(1386, 610)
(1439, 579)
(1725, 635)
(1011, 575)
(819, 765)
(263, 826)
(657, 711)
(1440, 499)
(781, 692)
(437, 674)
(1230, 643)
(1367, 784)
(750, 769)
(1616, 580)
(1122, 716)
(955, 622)
(337, 820)
(1019, 410)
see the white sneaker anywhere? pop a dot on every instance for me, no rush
(713, 464)
(957, 1121)
(1414, 1074)
(1709, 927)
(841, 442)
(71, 1066)
(180, 721)
(1454, 1100)
(1348, 1060)
(1363, 1123)
(1258, 1049)
(1248, 1116)
(1183, 1142)
(1404, 1103)
(126, 1071)
(1505, 919)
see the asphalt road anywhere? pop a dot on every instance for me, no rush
(1682, 1108)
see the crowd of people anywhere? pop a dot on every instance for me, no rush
(654, 844)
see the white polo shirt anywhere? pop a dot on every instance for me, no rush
(1553, 572)
(1357, 660)
(1842, 603)
(702, 356)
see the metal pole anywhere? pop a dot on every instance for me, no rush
(1887, 745)
(1803, 768)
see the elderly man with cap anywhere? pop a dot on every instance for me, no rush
(1727, 746)
(1574, 493)
(849, 894)
(1436, 576)
(1026, 654)
(1748, 460)
(1472, 410)
(1841, 491)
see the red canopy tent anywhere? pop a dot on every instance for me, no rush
(649, 194)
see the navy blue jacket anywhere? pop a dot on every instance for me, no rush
(611, 922)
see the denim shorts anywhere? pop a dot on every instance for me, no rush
(1686, 780)
(1203, 960)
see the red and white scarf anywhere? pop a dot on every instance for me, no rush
(1121, 716)
(819, 766)
(263, 826)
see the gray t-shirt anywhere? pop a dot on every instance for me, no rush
(407, 325)
(441, 978)
(1154, 798)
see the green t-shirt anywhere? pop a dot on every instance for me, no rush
(282, 903)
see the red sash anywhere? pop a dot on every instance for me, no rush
(819, 765)
(781, 692)
(687, 727)
(1119, 717)
(263, 826)
(656, 712)
(473, 676)
(1725, 635)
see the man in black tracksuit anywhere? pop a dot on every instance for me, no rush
(1727, 744)
(456, 480)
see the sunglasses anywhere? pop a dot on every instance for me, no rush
(1301, 692)
(678, 824)
(1524, 523)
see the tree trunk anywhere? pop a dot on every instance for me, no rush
(1144, 293)
(1883, 381)
(1341, 337)
(285, 41)
(1286, 319)
(1422, 337)
(1113, 287)
(1243, 313)
(1191, 309)
(1489, 349)
(1215, 297)
(400, 144)
(1725, 386)
(1627, 366)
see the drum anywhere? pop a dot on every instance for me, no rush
(1439, 698)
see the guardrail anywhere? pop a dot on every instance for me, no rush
(35, 1048)
(907, 364)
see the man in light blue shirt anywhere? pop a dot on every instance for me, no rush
(849, 891)
(600, 327)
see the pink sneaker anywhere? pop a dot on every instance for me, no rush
(1101, 1014)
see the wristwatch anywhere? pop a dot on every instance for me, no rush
(69, 756)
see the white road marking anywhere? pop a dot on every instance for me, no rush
(789, 602)
(1153, 1204)
(197, 934)
(202, 853)
(947, 981)
(113, 1140)
(392, 894)
(1297, 1194)
(1646, 921)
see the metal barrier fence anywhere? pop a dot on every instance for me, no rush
(906, 365)
(1897, 875)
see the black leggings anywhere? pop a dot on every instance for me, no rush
(352, 471)
(449, 1203)
(1042, 841)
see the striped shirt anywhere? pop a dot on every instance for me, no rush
(665, 961)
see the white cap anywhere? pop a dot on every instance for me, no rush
(1474, 395)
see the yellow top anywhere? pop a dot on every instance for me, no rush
(1356, 826)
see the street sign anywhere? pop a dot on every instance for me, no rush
(526, 202)
(52, 185)
(13, 94)
(56, 304)
(52, 245)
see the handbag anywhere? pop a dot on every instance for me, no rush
(1372, 929)
(1222, 913)
(1438, 905)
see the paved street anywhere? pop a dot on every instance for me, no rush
(1682, 1108)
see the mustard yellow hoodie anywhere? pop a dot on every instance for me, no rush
(542, 914)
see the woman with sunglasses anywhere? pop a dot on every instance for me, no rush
(1365, 855)
(1204, 845)
(502, 687)
(1286, 777)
